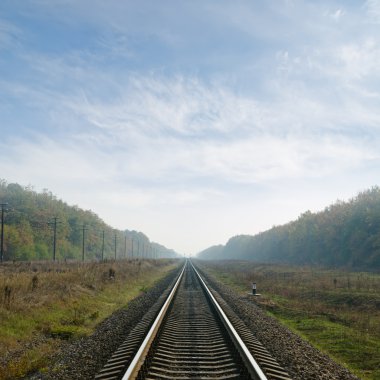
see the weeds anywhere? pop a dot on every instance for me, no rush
(50, 302)
(34, 282)
(337, 311)
(7, 296)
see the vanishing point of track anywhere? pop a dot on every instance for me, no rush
(191, 337)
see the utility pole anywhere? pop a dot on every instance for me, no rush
(138, 248)
(83, 234)
(125, 245)
(115, 246)
(55, 237)
(132, 247)
(103, 246)
(3, 205)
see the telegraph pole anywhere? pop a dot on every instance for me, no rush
(125, 245)
(55, 237)
(83, 234)
(3, 205)
(115, 246)
(132, 247)
(103, 247)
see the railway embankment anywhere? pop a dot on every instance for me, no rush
(62, 319)
(310, 319)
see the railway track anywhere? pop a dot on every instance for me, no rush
(191, 337)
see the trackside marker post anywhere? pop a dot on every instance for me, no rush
(254, 290)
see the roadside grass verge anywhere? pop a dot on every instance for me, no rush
(43, 305)
(336, 311)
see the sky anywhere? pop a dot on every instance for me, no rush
(191, 121)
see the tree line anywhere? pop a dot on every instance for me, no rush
(344, 234)
(38, 225)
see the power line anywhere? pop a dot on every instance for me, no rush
(140, 251)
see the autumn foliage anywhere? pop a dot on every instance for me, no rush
(345, 234)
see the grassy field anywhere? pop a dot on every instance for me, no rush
(336, 311)
(45, 304)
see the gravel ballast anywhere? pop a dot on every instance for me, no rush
(84, 358)
(297, 357)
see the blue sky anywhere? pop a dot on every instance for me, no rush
(192, 121)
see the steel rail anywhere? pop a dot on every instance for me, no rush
(138, 360)
(252, 366)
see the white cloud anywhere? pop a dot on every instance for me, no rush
(171, 149)
(9, 34)
(337, 14)
(187, 130)
(373, 8)
(56, 161)
(361, 60)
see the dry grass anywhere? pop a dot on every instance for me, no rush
(338, 311)
(44, 303)
(36, 284)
